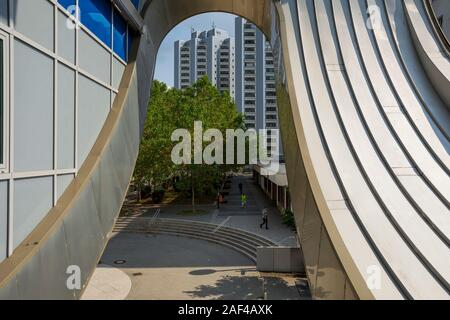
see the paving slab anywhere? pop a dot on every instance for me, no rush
(174, 268)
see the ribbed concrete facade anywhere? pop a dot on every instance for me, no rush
(442, 9)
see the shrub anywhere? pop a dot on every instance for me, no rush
(288, 218)
(158, 195)
(146, 192)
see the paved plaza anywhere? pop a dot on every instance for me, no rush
(163, 267)
(233, 215)
(142, 267)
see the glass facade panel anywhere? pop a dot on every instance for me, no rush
(120, 36)
(96, 16)
(135, 3)
(67, 3)
(107, 24)
(130, 42)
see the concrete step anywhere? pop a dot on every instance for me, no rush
(251, 239)
(249, 252)
(205, 225)
(233, 237)
(240, 240)
(243, 242)
(258, 240)
(246, 242)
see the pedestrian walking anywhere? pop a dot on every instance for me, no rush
(241, 188)
(265, 218)
(243, 200)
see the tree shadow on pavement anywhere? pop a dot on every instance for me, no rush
(230, 288)
(249, 288)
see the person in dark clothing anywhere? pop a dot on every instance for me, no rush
(241, 189)
(265, 217)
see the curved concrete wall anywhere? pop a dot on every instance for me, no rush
(433, 52)
(366, 144)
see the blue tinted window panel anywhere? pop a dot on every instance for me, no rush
(120, 36)
(130, 42)
(135, 3)
(96, 16)
(67, 3)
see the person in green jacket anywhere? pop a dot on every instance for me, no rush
(243, 200)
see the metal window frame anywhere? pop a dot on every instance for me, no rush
(4, 164)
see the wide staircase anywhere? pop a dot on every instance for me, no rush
(239, 240)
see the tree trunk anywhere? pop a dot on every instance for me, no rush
(194, 211)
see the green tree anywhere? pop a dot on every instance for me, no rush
(216, 110)
(171, 109)
(154, 166)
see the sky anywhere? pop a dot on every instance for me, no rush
(164, 66)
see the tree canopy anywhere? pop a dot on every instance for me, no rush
(170, 109)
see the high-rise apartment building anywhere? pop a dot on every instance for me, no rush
(243, 66)
(210, 53)
(255, 79)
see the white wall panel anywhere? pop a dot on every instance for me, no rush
(66, 118)
(118, 69)
(66, 39)
(3, 219)
(94, 59)
(32, 201)
(33, 109)
(63, 183)
(34, 19)
(93, 108)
